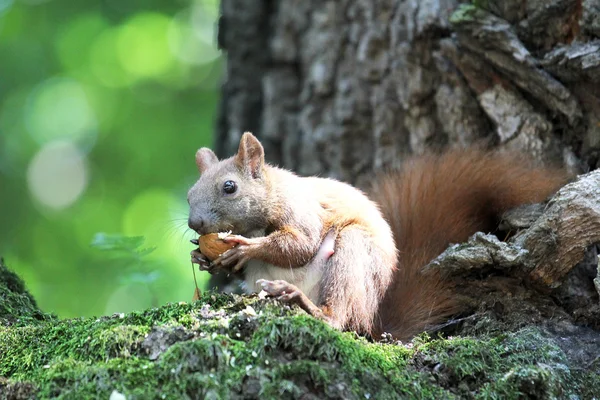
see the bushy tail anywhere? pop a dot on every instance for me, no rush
(441, 199)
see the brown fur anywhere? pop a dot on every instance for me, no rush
(365, 285)
(438, 200)
(364, 249)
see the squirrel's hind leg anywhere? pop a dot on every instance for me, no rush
(288, 293)
(353, 280)
(351, 285)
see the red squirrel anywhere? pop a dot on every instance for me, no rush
(354, 261)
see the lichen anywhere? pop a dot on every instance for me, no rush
(229, 346)
(465, 13)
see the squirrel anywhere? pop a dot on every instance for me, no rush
(351, 259)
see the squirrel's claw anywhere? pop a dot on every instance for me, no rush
(201, 260)
(288, 293)
(284, 292)
(205, 267)
(278, 288)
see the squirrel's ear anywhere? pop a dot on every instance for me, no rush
(205, 158)
(250, 156)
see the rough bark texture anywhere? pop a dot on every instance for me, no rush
(341, 88)
(571, 223)
(543, 274)
(345, 88)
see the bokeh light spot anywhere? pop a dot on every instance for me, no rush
(192, 37)
(204, 16)
(59, 109)
(161, 217)
(78, 35)
(57, 175)
(149, 215)
(143, 46)
(5, 5)
(104, 60)
(34, 2)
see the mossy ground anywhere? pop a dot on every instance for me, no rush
(243, 347)
(17, 306)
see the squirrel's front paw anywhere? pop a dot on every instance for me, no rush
(200, 259)
(240, 254)
(237, 257)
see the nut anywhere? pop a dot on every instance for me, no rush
(212, 245)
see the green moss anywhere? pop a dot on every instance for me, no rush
(368, 370)
(223, 346)
(71, 379)
(505, 366)
(25, 348)
(465, 13)
(538, 382)
(214, 365)
(277, 351)
(481, 4)
(17, 306)
(588, 383)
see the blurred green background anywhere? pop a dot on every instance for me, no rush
(102, 107)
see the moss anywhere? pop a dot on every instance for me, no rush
(288, 355)
(203, 366)
(589, 383)
(14, 391)
(481, 4)
(275, 350)
(242, 347)
(513, 365)
(465, 13)
(536, 382)
(364, 368)
(17, 306)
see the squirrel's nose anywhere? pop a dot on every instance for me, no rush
(196, 224)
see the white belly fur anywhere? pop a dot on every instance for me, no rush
(305, 278)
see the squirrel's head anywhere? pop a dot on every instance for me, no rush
(231, 194)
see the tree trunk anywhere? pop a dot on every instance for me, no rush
(345, 88)
(342, 88)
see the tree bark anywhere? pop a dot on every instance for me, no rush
(346, 88)
(342, 88)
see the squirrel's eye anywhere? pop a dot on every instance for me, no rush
(229, 187)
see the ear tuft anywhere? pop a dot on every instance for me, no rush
(205, 157)
(250, 157)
